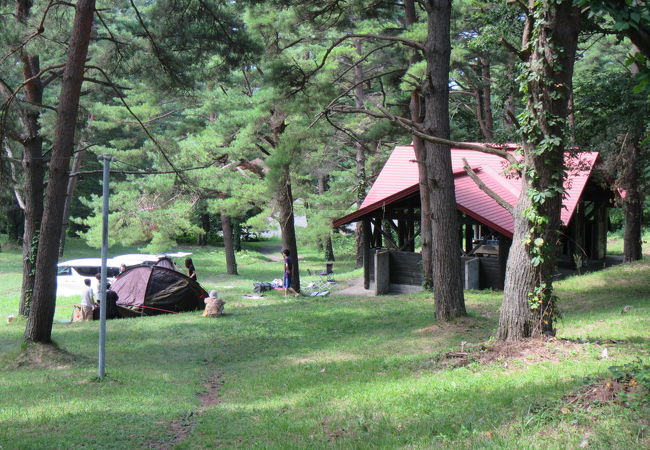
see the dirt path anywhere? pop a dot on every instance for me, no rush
(272, 251)
(179, 429)
(354, 287)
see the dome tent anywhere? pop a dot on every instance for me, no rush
(153, 290)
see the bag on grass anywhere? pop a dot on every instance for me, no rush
(261, 286)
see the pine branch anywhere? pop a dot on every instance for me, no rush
(417, 130)
(347, 91)
(482, 186)
(416, 45)
(145, 129)
(145, 172)
(349, 133)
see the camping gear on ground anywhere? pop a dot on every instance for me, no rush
(150, 290)
(261, 286)
(318, 288)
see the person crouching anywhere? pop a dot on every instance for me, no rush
(213, 305)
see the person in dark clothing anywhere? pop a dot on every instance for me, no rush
(112, 311)
(189, 265)
(288, 270)
(111, 303)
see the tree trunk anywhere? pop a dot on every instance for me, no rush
(287, 224)
(326, 243)
(486, 98)
(231, 263)
(34, 175)
(415, 109)
(629, 161)
(236, 234)
(445, 243)
(41, 314)
(633, 201)
(529, 303)
(34, 172)
(72, 185)
(202, 238)
(509, 107)
(360, 158)
(425, 209)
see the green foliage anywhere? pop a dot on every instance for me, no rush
(636, 375)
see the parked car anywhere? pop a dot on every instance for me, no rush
(135, 259)
(71, 274)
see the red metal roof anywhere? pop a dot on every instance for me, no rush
(399, 179)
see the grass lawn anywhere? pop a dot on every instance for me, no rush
(338, 371)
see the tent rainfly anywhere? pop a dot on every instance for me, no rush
(156, 290)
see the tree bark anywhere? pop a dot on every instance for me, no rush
(509, 107)
(284, 195)
(633, 201)
(32, 162)
(445, 243)
(326, 243)
(528, 303)
(360, 157)
(486, 98)
(34, 175)
(415, 109)
(236, 234)
(287, 224)
(41, 314)
(630, 161)
(425, 202)
(72, 185)
(229, 248)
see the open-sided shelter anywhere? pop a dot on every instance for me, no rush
(391, 212)
(150, 290)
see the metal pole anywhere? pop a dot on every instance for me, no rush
(106, 159)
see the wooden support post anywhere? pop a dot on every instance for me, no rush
(469, 236)
(386, 232)
(378, 232)
(579, 251)
(504, 249)
(600, 230)
(410, 226)
(366, 236)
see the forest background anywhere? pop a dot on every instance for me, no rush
(221, 115)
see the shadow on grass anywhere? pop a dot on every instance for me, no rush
(409, 411)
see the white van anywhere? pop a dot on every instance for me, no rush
(71, 274)
(134, 259)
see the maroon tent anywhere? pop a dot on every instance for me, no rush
(166, 262)
(155, 290)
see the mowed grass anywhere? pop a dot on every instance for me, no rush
(338, 371)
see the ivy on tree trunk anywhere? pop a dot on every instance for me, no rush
(41, 314)
(32, 162)
(529, 304)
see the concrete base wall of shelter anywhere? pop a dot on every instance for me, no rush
(401, 272)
